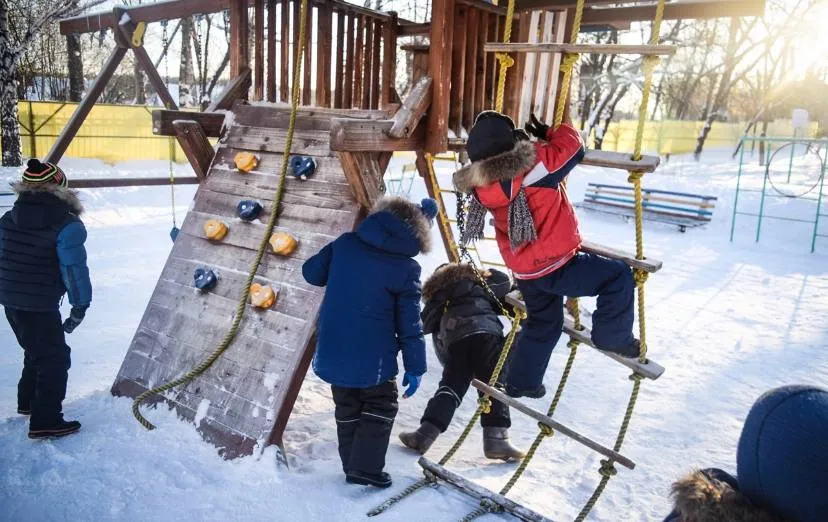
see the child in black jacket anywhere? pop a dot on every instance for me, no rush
(468, 338)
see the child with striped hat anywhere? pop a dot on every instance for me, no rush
(42, 257)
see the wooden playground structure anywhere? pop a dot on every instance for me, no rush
(343, 110)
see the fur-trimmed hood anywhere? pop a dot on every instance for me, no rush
(68, 196)
(701, 498)
(397, 225)
(502, 167)
(446, 276)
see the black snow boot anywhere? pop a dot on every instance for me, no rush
(536, 393)
(60, 429)
(631, 350)
(496, 445)
(421, 439)
(379, 480)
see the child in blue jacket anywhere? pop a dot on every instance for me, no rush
(371, 311)
(42, 257)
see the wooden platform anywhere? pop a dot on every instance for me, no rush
(545, 47)
(244, 400)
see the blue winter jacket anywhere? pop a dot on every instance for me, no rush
(371, 308)
(42, 254)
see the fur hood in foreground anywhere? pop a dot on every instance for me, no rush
(68, 196)
(502, 167)
(446, 276)
(409, 213)
(700, 498)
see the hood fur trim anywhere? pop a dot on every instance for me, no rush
(497, 168)
(702, 499)
(446, 276)
(68, 196)
(411, 214)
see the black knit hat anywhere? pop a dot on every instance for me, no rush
(37, 172)
(492, 134)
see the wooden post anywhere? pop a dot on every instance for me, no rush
(367, 71)
(389, 60)
(195, 145)
(375, 65)
(359, 61)
(82, 111)
(284, 79)
(258, 50)
(271, 51)
(235, 90)
(480, 65)
(348, 91)
(458, 71)
(470, 76)
(324, 55)
(239, 37)
(514, 77)
(363, 174)
(308, 52)
(439, 66)
(340, 61)
(413, 109)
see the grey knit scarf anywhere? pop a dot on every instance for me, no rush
(520, 225)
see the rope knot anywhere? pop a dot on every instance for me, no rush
(545, 430)
(485, 404)
(635, 175)
(505, 60)
(640, 276)
(573, 343)
(569, 61)
(607, 469)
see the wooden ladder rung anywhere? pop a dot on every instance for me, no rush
(619, 160)
(551, 47)
(648, 265)
(552, 423)
(650, 369)
(479, 492)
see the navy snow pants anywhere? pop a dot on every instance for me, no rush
(584, 275)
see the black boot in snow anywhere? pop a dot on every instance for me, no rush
(631, 350)
(61, 429)
(535, 393)
(421, 439)
(496, 445)
(379, 480)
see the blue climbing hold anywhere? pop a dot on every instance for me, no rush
(302, 167)
(249, 209)
(174, 233)
(205, 280)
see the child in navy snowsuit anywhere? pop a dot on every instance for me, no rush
(464, 321)
(519, 182)
(781, 463)
(42, 257)
(371, 311)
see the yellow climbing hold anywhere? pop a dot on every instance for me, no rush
(215, 229)
(245, 161)
(283, 243)
(262, 296)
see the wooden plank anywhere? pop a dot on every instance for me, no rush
(272, 115)
(470, 73)
(491, 64)
(162, 121)
(309, 143)
(284, 82)
(308, 53)
(195, 145)
(554, 47)
(389, 60)
(324, 53)
(440, 66)
(376, 69)
(348, 92)
(271, 50)
(542, 78)
(552, 423)
(235, 90)
(514, 78)
(364, 176)
(481, 493)
(367, 71)
(554, 70)
(92, 23)
(458, 72)
(619, 160)
(421, 29)
(87, 183)
(297, 8)
(413, 109)
(675, 11)
(258, 50)
(239, 38)
(527, 89)
(349, 135)
(650, 369)
(82, 111)
(340, 61)
(484, 6)
(480, 65)
(359, 61)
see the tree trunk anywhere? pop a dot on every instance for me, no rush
(139, 84)
(9, 130)
(609, 115)
(74, 63)
(186, 76)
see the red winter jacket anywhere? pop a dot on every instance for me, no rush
(539, 169)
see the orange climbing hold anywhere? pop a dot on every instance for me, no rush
(215, 229)
(262, 296)
(245, 161)
(283, 243)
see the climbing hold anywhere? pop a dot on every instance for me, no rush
(245, 161)
(262, 296)
(302, 167)
(249, 209)
(174, 232)
(283, 243)
(205, 280)
(215, 229)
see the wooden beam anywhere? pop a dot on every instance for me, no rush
(308, 52)
(481, 5)
(348, 90)
(235, 90)
(480, 64)
(675, 11)
(648, 265)
(367, 63)
(339, 80)
(363, 174)
(458, 70)
(195, 145)
(271, 51)
(88, 183)
(413, 109)
(258, 50)
(552, 423)
(284, 64)
(470, 72)
(82, 110)
(239, 38)
(389, 60)
(376, 67)
(210, 122)
(646, 50)
(620, 160)
(371, 136)
(324, 54)
(359, 61)
(414, 29)
(439, 66)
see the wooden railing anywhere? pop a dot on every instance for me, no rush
(351, 63)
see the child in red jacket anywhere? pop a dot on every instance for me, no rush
(537, 232)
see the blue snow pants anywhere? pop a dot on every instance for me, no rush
(584, 275)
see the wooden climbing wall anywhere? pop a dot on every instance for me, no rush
(245, 398)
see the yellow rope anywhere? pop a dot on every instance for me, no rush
(442, 216)
(241, 307)
(504, 59)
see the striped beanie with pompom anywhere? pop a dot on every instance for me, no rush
(37, 172)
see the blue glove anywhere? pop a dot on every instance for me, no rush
(413, 383)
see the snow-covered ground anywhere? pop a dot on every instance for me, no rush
(727, 320)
